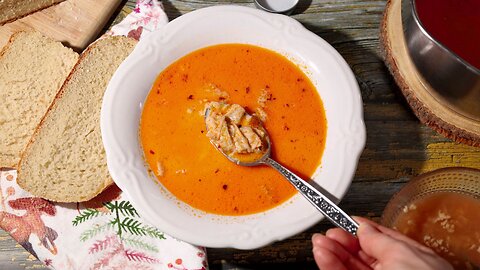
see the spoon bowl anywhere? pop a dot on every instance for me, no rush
(319, 200)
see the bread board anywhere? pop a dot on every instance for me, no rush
(73, 22)
(416, 90)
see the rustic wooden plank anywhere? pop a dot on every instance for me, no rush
(398, 146)
(77, 30)
(295, 252)
(12, 255)
(15, 257)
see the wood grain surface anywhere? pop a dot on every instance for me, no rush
(74, 22)
(398, 145)
(427, 104)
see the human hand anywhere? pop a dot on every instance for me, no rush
(376, 247)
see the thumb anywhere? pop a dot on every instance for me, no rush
(373, 242)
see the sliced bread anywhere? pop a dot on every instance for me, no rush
(65, 160)
(13, 9)
(32, 70)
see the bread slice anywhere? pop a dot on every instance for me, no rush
(32, 70)
(65, 160)
(13, 9)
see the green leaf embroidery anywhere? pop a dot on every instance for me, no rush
(110, 206)
(125, 207)
(85, 215)
(123, 222)
(153, 232)
(135, 227)
(139, 244)
(88, 234)
(132, 226)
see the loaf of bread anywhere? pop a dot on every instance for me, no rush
(65, 160)
(13, 9)
(32, 70)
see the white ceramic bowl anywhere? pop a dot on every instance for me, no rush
(123, 102)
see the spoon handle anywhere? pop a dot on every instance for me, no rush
(315, 197)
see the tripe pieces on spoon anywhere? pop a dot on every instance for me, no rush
(235, 132)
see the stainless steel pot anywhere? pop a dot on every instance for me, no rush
(455, 82)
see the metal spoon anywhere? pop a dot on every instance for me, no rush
(323, 204)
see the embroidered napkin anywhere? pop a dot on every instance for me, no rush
(106, 232)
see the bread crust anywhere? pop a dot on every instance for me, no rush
(2, 52)
(29, 13)
(9, 42)
(5, 48)
(107, 182)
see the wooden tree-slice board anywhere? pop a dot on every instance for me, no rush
(417, 92)
(74, 22)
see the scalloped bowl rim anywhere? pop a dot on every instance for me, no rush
(128, 88)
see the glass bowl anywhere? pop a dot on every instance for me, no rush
(441, 209)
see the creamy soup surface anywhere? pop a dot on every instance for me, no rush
(173, 133)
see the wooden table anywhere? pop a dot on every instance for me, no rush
(398, 146)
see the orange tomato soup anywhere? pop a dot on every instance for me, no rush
(172, 128)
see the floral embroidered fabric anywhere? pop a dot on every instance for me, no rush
(106, 232)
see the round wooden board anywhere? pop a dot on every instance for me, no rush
(428, 109)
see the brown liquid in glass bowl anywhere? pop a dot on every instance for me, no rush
(447, 222)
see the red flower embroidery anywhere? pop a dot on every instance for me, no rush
(48, 262)
(135, 33)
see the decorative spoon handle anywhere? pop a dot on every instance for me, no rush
(315, 197)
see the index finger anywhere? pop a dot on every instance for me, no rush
(348, 241)
(395, 234)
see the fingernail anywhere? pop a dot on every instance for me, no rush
(315, 238)
(366, 228)
(359, 219)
